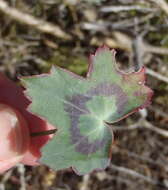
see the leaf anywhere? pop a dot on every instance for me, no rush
(81, 109)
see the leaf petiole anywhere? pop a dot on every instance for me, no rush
(43, 133)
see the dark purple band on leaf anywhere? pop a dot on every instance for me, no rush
(77, 107)
(106, 89)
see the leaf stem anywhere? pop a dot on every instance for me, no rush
(43, 133)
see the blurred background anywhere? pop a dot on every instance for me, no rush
(35, 34)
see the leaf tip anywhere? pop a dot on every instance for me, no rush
(103, 48)
(99, 50)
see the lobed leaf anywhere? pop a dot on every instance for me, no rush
(82, 109)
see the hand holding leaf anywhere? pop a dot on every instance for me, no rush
(16, 125)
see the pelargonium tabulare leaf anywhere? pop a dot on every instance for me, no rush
(82, 108)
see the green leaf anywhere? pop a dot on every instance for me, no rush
(82, 109)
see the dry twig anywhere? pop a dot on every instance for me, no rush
(143, 158)
(162, 132)
(157, 75)
(116, 9)
(162, 4)
(27, 19)
(135, 174)
(5, 178)
(154, 49)
(21, 170)
(143, 123)
(85, 182)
